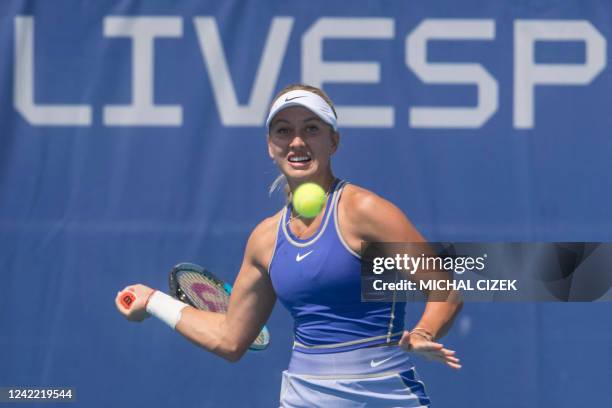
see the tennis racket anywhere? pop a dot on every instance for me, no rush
(198, 287)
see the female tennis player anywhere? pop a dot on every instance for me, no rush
(346, 352)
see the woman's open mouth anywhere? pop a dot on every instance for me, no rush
(299, 161)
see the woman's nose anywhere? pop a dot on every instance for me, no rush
(297, 140)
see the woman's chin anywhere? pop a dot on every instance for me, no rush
(301, 166)
(300, 172)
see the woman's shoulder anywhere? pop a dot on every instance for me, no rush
(268, 225)
(362, 202)
(263, 237)
(371, 217)
(265, 231)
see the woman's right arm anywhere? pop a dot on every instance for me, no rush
(251, 302)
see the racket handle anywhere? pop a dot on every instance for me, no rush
(126, 299)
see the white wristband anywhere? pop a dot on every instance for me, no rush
(165, 308)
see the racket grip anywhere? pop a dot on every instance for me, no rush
(126, 299)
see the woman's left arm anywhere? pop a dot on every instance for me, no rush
(373, 219)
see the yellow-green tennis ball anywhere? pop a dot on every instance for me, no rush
(308, 200)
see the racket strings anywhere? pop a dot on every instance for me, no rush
(205, 293)
(262, 339)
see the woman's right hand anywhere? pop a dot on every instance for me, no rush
(136, 312)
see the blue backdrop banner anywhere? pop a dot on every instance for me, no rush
(132, 138)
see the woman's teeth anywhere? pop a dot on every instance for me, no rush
(297, 159)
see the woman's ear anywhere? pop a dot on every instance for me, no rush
(335, 139)
(269, 148)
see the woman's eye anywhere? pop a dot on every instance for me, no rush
(282, 131)
(312, 129)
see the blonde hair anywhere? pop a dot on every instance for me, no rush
(280, 182)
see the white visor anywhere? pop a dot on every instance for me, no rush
(307, 99)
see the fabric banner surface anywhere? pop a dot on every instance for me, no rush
(132, 138)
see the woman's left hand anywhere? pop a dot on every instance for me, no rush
(419, 344)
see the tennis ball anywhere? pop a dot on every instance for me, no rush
(308, 200)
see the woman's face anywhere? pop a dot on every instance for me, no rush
(301, 144)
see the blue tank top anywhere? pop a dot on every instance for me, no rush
(319, 281)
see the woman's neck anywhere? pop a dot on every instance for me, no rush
(304, 227)
(324, 181)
